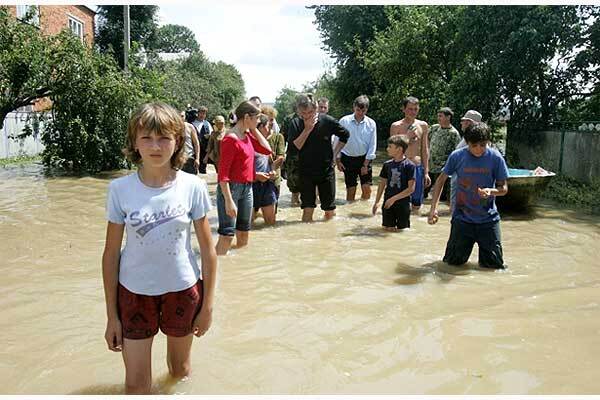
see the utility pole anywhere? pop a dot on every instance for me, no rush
(126, 39)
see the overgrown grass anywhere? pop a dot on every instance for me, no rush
(573, 194)
(18, 160)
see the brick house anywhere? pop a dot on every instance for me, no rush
(53, 19)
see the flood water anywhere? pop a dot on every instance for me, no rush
(323, 308)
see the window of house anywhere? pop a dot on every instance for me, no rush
(22, 11)
(76, 26)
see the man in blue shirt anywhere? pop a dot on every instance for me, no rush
(481, 176)
(356, 157)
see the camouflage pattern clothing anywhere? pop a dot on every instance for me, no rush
(292, 169)
(277, 143)
(442, 142)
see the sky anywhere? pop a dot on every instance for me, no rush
(272, 44)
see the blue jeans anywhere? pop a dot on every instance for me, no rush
(417, 197)
(242, 198)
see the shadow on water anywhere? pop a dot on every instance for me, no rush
(411, 275)
(363, 231)
(163, 385)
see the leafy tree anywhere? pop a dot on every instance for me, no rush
(24, 71)
(285, 101)
(175, 39)
(109, 36)
(92, 100)
(346, 31)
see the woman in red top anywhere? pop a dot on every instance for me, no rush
(235, 177)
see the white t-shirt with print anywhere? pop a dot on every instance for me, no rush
(157, 257)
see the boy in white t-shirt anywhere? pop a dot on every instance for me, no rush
(155, 281)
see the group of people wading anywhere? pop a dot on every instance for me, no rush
(155, 281)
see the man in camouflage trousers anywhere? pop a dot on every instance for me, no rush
(443, 140)
(292, 174)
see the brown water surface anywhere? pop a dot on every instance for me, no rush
(331, 308)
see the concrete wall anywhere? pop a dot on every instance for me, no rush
(580, 159)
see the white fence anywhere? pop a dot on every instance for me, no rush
(11, 145)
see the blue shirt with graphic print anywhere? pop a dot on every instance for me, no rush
(473, 173)
(397, 173)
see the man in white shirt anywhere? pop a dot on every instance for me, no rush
(356, 157)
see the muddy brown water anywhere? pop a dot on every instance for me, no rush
(322, 308)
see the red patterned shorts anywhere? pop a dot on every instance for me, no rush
(172, 312)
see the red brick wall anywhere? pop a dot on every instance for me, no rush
(54, 19)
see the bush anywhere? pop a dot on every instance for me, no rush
(92, 100)
(574, 194)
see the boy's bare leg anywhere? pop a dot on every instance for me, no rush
(268, 213)
(390, 228)
(329, 214)
(179, 358)
(351, 193)
(137, 355)
(241, 238)
(295, 199)
(366, 192)
(223, 245)
(307, 214)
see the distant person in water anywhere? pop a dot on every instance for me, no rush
(156, 282)
(311, 134)
(213, 150)
(417, 132)
(397, 180)
(323, 105)
(235, 177)
(481, 176)
(264, 191)
(443, 140)
(355, 159)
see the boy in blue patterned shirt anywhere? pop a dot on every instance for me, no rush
(481, 176)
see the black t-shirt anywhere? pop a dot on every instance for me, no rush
(397, 173)
(316, 156)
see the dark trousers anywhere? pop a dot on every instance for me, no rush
(464, 235)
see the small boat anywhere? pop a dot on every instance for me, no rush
(524, 187)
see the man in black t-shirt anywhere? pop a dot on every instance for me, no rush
(311, 134)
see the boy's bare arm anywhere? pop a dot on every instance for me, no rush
(500, 190)
(380, 188)
(435, 197)
(110, 277)
(209, 275)
(405, 193)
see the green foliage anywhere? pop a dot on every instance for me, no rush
(175, 39)
(92, 100)
(197, 81)
(528, 61)
(574, 194)
(24, 71)
(18, 160)
(109, 35)
(285, 102)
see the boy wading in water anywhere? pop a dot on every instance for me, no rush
(155, 282)
(398, 179)
(481, 176)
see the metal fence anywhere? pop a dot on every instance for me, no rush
(13, 140)
(567, 147)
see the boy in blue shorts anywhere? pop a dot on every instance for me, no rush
(481, 176)
(398, 178)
